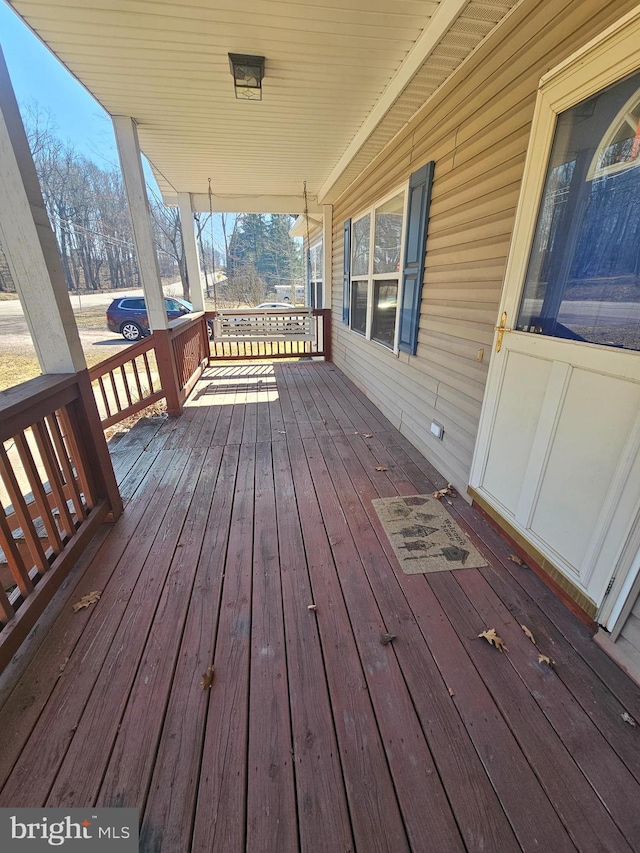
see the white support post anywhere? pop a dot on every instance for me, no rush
(126, 133)
(191, 255)
(30, 245)
(327, 254)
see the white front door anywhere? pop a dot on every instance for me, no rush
(558, 452)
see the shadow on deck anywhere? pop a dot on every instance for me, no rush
(313, 736)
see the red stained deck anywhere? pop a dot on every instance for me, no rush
(314, 736)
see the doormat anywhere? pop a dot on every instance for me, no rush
(424, 537)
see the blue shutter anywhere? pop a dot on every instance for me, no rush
(346, 277)
(414, 253)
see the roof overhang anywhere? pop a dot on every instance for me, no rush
(342, 78)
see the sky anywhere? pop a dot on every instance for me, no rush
(37, 76)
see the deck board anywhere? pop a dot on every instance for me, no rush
(314, 736)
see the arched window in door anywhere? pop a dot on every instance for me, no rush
(583, 278)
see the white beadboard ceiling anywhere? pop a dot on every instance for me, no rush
(342, 77)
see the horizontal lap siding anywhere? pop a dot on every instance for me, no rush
(477, 130)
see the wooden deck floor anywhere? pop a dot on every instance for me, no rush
(314, 736)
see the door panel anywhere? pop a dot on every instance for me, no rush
(515, 428)
(593, 427)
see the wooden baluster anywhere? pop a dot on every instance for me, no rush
(148, 369)
(77, 459)
(6, 610)
(63, 456)
(39, 493)
(136, 375)
(22, 512)
(125, 381)
(116, 396)
(14, 559)
(103, 391)
(52, 468)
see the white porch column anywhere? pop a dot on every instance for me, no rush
(327, 254)
(30, 245)
(126, 133)
(191, 255)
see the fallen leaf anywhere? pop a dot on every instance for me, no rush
(451, 693)
(628, 719)
(312, 606)
(387, 638)
(87, 600)
(381, 468)
(324, 421)
(546, 659)
(528, 633)
(493, 639)
(207, 678)
(515, 559)
(367, 435)
(62, 666)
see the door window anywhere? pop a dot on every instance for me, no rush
(583, 278)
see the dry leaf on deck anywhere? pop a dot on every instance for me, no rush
(515, 559)
(546, 659)
(528, 633)
(387, 638)
(628, 719)
(448, 490)
(381, 468)
(451, 692)
(367, 435)
(87, 600)
(312, 606)
(207, 678)
(62, 666)
(493, 639)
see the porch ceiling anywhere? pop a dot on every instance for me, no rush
(342, 77)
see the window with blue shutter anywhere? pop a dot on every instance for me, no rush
(414, 254)
(346, 277)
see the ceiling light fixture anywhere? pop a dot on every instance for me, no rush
(248, 72)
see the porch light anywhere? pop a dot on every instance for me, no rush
(248, 72)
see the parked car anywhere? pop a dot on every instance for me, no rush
(127, 315)
(264, 305)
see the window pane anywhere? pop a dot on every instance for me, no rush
(385, 304)
(315, 262)
(388, 235)
(360, 257)
(359, 291)
(583, 280)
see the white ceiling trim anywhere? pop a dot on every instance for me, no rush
(444, 16)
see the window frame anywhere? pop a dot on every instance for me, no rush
(317, 244)
(371, 277)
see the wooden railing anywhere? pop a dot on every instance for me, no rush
(56, 488)
(127, 382)
(190, 345)
(248, 334)
(164, 365)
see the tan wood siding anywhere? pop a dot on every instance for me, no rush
(476, 128)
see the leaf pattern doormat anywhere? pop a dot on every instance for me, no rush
(424, 537)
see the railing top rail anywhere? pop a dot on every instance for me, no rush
(181, 323)
(23, 405)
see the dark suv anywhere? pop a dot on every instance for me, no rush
(127, 315)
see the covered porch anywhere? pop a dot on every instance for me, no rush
(313, 735)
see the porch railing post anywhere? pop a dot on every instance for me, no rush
(95, 445)
(168, 370)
